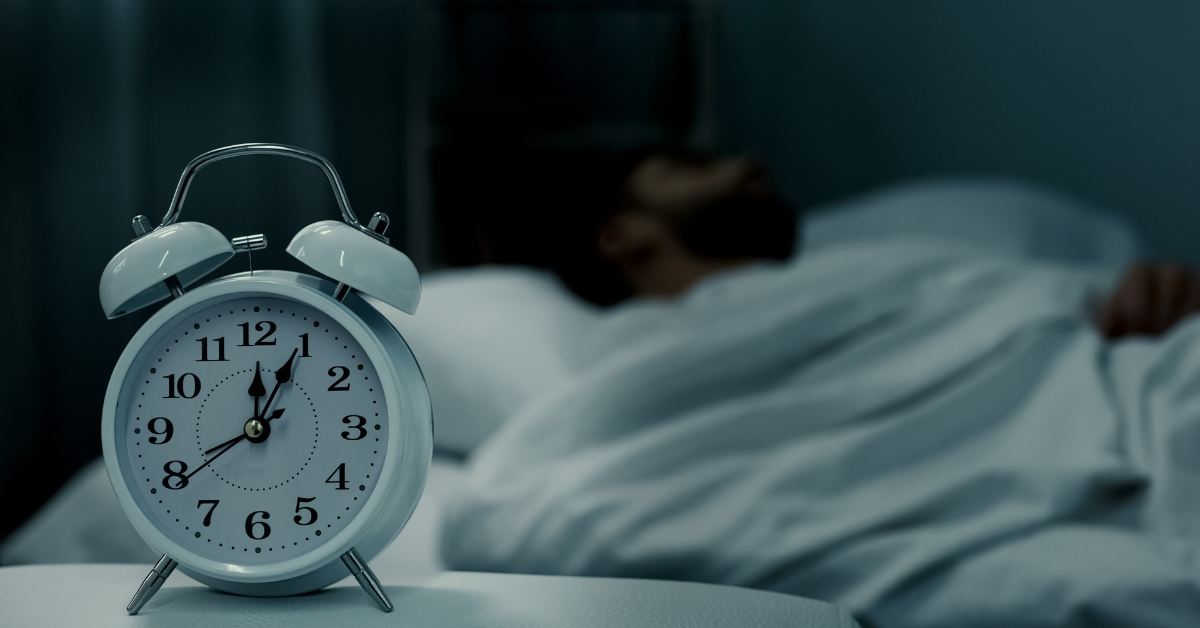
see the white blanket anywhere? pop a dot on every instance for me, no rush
(925, 430)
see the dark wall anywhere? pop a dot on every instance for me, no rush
(1099, 98)
(102, 103)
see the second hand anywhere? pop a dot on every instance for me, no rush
(227, 445)
(281, 376)
(209, 461)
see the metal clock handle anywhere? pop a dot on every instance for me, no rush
(283, 150)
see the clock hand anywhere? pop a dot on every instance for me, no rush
(229, 445)
(256, 387)
(209, 461)
(281, 376)
(228, 442)
(258, 430)
(274, 415)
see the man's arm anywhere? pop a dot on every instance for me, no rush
(1150, 299)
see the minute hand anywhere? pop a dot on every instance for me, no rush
(274, 415)
(227, 445)
(281, 376)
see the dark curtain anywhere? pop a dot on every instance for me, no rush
(102, 103)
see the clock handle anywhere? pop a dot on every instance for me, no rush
(153, 582)
(283, 150)
(366, 578)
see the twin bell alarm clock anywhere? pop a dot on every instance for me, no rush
(268, 430)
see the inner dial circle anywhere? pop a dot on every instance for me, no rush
(261, 466)
(188, 462)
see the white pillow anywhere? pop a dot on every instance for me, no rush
(1002, 216)
(487, 339)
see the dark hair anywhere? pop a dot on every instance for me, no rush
(535, 207)
(544, 208)
(741, 226)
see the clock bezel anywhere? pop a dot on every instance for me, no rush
(402, 477)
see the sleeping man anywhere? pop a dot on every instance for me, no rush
(686, 217)
(953, 405)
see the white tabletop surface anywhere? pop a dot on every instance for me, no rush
(96, 595)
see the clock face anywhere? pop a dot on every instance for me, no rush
(254, 431)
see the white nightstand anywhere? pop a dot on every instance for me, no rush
(95, 596)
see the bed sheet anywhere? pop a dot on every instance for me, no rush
(926, 432)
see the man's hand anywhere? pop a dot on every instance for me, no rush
(1151, 298)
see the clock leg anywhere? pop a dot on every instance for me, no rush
(358, 567)
(154, 580)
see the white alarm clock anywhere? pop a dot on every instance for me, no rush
(267, 430)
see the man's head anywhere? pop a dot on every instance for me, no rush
(685, 216)
(615, 224)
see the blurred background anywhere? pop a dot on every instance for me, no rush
(431, 110)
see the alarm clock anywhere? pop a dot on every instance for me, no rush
(267, 430)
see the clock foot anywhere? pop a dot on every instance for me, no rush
(154, 580)
(358, 567)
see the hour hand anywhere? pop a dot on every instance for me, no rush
(256, 387)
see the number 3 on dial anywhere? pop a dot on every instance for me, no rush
(362, 431)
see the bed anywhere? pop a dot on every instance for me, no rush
(932, 328)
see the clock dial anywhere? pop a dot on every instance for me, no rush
(255, 431)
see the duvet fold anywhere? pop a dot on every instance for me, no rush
(924, 432)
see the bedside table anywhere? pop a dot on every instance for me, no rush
(95, 595)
